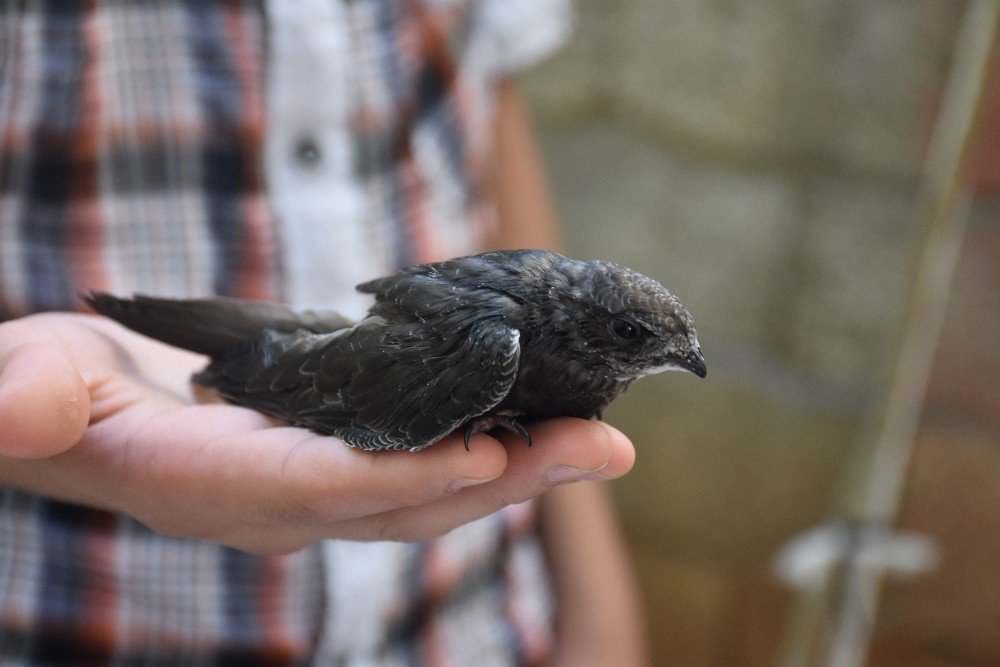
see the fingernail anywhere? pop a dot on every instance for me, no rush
(464, 482)
(563, 474)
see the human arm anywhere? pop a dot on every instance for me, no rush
(598, 614)
(599, 620)
(97, 415)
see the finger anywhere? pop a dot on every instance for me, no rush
(595, 452)
(232, 458)
(328, 480)
(44, 402)
(564, 450)
(299, 526)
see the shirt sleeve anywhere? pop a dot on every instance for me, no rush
(521, 33)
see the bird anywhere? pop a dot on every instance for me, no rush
(498, 339)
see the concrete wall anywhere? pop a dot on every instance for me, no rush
(759, 159)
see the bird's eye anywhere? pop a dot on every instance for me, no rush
(625, 328)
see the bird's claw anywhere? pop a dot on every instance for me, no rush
(512, 424)
(489, 422)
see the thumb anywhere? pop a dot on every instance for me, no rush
(44, 402)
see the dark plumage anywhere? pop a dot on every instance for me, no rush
(480, 341)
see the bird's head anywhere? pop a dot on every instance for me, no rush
(630, 324)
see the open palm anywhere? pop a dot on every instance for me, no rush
(98, 415)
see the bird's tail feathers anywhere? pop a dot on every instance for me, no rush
(208, 326)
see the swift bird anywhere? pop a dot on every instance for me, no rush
(475, 342)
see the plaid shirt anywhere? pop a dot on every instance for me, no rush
(278, 149)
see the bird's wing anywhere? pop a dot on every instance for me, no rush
(378, 385)
(408, 386)
(430, 291)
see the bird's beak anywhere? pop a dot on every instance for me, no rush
(695, 363)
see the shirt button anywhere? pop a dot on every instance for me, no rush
(306, 152)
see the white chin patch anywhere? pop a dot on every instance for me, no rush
(664, 367)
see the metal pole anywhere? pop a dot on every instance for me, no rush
(832, 621)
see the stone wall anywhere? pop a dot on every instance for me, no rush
(760, 160)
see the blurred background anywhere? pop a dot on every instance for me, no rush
(762, 160)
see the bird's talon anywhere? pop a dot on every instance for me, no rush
(516, 427)
(490, 422)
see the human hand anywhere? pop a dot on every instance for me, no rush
(98, 415)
